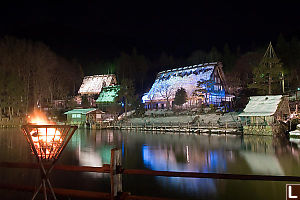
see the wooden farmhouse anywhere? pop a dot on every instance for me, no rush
(84, 117)
(263, 114)
(212, 90)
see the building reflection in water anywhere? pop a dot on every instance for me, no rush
(262, 163)
(187, 153)
(206, 154)
(189, 159)
(267, 155)
(93, 149)
(295, 145)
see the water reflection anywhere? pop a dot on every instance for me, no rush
(92, 149)
(165, 159)
(261, 163)
(186, 159)
(268, 155)
(182, 153)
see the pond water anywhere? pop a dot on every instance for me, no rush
(188, 153)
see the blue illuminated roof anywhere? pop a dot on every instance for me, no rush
(170, 81)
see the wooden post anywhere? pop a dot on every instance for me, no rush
(115, 175)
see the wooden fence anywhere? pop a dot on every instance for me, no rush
(116, 170)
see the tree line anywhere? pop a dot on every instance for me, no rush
(239, 67)
(32, 75)
(244, 71)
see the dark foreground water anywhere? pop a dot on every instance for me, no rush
(189, 153)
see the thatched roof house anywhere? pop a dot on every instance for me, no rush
(264, 112)
(93, 84)
(168, 82)
(265, 106)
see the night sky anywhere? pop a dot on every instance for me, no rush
(91, 30)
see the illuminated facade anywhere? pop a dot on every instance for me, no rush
(212, 90)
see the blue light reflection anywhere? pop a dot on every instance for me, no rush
(165, 159)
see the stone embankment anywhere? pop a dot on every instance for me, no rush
(204, 123)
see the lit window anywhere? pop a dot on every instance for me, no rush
(76, 115)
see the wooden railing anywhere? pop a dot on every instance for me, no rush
(116, 170)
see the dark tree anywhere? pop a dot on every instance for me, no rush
(139, 107)
(268, 74)
(100, 67)
(134, 67)
(180, 97)
(126, 93)
(197, 57)
(244, 66)
(214, 55)
(85, 101)
(229, 58)
(114, 109)
(33, 76)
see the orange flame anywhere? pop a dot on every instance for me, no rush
(45, 139)
(39, 118)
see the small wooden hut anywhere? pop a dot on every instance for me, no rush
(84, 117)
(263, 114)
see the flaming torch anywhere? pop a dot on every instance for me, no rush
(47, 141)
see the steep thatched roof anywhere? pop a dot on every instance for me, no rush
(168, 82)
(94, 84)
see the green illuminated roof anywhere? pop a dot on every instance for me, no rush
(80, 111)
(108, 94)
